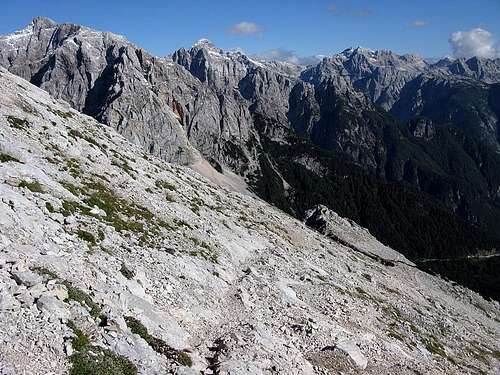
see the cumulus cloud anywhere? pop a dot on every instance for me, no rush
(286, 55)
(244, 28)
(339, 11)
(418, 23)
(476, 42)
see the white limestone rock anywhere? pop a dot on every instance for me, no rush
(53, 307)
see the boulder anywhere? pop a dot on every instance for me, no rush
(51, 306)
(8, 302)
(27, 278)
(352, 350)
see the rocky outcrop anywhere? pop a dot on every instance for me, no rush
(111, 258)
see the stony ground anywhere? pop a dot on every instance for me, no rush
(114, 262)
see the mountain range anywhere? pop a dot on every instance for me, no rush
(406, 148)
(135, 236)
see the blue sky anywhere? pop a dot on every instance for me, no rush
(305, 27)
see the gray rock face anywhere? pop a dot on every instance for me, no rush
(486, 70)
(103, 75)
(346, 231)
(235, 87)
(380, 75)
(154, 102)
(52, 307)
(207, 98)
(26, 278)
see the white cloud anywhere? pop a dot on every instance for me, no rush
(290, 56)
(476, 42)
(245, 28)
(418, 23)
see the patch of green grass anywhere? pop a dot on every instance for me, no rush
(120, 213)
(73, 167)
(80, 341)
(196, 203)
(78, 295)
(55, 149)
(184, 359)
(86, 236)
(395, 335)
(360, 291)
(45, 273)
(75, 134)
(204, 251)
(414, 329)
(17, 123)
(157, 344)
(179, 223)
(434, 346)
(212, 257)
(126, 272)
(34, 187)
(160, 184)
(51, 160)
(195, 208)
(163, 224)
(95, 360)
(50, 207)
(64, 115)
(4, 158)
(74, 293)
(73, 189)
(71, 207)
(123, 164)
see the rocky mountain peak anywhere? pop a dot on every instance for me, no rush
(443, 63)
(352, 51)
(381, 58)
(43, 23)
(204, 43)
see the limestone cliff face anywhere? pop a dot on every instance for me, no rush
(103, 75)
(201, 96)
